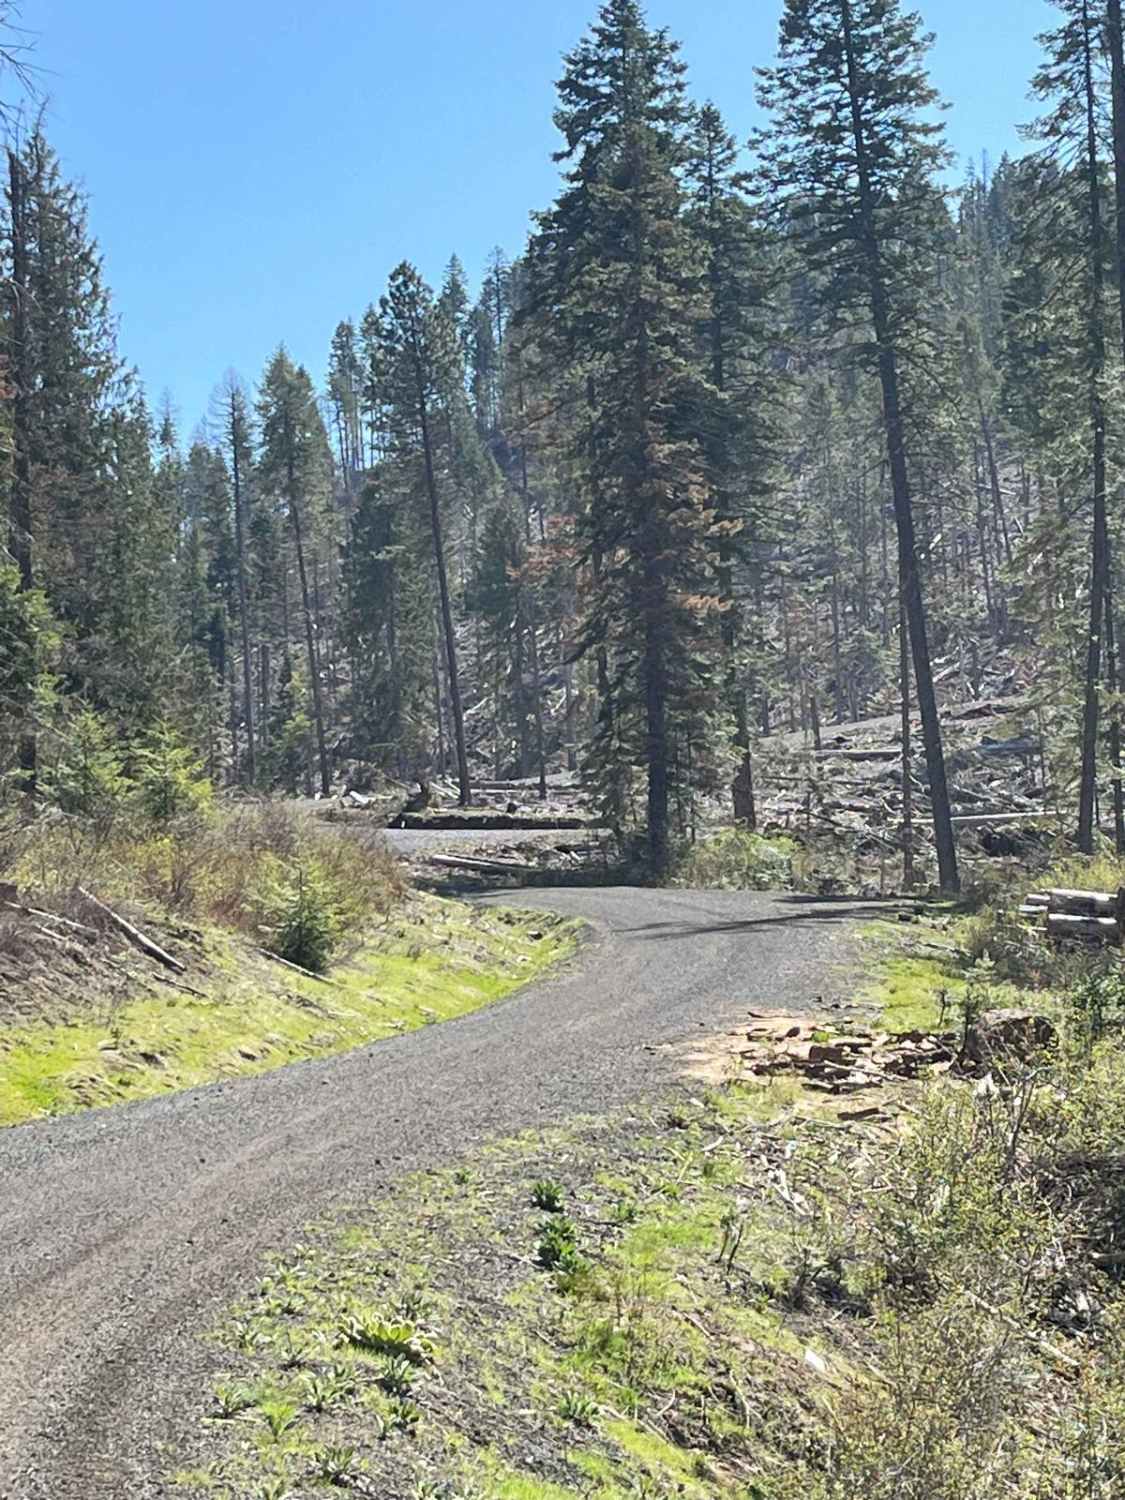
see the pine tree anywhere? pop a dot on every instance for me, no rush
(345, 378)
(1071, 131)
(232, 417)
(853, 151)
(418, 352)
(616, 284)
(738, 420)
(295, 465)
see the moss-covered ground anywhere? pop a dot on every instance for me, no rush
(430, 960)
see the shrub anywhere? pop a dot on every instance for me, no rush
(557, 1246)
(241, 868)
(170, 778)
(83, 774)
(307, 928)
(739, 860)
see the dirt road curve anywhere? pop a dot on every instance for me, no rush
(123, 1232)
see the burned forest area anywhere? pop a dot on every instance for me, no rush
(562, 843)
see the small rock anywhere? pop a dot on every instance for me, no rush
(814, 1362)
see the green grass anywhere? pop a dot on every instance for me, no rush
(440, 960)
(918, 988)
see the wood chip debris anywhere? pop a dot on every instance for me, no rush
(783, 1043)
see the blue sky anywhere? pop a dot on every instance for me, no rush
(257, 167)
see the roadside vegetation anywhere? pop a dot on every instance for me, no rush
(751, 1291)
(290, 938)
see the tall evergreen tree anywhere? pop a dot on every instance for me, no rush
(738, 418)
(231, 414)
(419, 351)
(616, 284)
(853, 152)
(295, 464)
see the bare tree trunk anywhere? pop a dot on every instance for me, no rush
(1114, 724)
(466, 792)
(900, 487)
(907, 783)
(994, 484)
(237, 439)
(533, 611)
(310, 628)
(1099, 569)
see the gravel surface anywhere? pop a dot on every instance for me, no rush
(124, 1232)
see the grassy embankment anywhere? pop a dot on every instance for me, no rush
(86, 1020)
(756, 1293)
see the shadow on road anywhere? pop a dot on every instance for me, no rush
(812, 909)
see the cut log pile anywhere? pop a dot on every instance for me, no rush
(1091, 917)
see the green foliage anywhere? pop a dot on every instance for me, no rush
(1096, 1000)
(735, 859)
(320, 1392)
(232, 1399)
(280, 1416)
(338, 1466)
(557, 1246)
(578, 1407)
(170, 779)
(85, 774)
(366, 1330)
(397, 1374)
(306, 925)
(548, 1195)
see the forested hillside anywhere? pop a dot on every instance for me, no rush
(749, 437)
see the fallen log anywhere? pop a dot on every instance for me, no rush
(1085, 903)
(297, 969)
(1009, 747)
(134, 934)
(464, 862)
(484, 821)
(986, 820)
(50, 916)
(1101, 929)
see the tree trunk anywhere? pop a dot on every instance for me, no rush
(907, 784)
(466, 792)
(656, 716)
(310, 629)
(900, 487)
(1099, 570)
(237, 438)
(1114, 725)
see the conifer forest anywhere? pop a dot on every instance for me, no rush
(562, 855)
(752, 438)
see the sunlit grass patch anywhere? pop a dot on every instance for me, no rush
(436, 960)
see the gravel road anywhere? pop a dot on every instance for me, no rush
(123, 1232)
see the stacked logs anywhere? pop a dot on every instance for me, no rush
(1094, 917)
